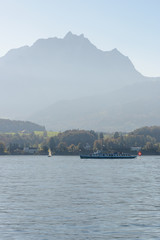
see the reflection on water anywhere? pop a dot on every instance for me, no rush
(62, 198)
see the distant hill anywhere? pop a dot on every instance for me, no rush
(122, 110)
(152, 131)
(12, 126)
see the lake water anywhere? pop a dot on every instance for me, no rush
(69, 198)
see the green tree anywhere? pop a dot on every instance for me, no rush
(62, 147)
(97, 145)
(101, 136)
(80, 147)
(2, 148)
(45, 149)
(116, 135)
(52, 144)
(72, 148)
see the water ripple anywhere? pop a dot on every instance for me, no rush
(69, 198)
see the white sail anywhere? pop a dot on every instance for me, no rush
(49, 152)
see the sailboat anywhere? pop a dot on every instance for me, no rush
(49, 153)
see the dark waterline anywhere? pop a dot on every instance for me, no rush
(63, 198)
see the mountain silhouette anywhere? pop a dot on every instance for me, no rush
(67, 69)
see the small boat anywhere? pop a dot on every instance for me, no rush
(99, 155)
(49, 153)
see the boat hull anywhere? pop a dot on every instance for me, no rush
(107, 157)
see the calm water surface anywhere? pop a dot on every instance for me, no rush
(60, 198)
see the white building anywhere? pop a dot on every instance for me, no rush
(30, 150)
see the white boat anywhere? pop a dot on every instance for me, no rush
(49, 153)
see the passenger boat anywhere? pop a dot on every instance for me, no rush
(99, 155)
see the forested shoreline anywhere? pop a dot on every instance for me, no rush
(76, 142)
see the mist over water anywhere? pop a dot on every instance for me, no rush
(70, 198)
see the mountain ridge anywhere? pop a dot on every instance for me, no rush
(57, 69)
(132, 108)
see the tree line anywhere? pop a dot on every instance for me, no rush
(81, 142)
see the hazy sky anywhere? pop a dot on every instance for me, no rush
(131, 26)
